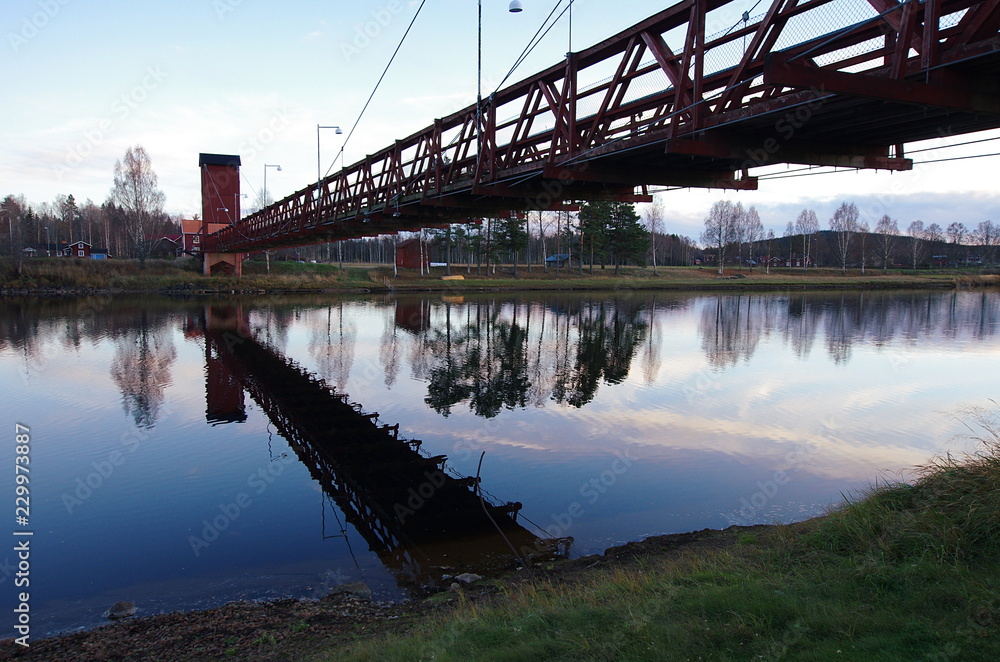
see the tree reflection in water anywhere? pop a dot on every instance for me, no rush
(496, 353)
(141, 368)
(505, 355)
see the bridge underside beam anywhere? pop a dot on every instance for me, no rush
(743, 153)
(955, 91)
(551, 194)
(685, 178)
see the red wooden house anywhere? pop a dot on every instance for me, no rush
(77, 249)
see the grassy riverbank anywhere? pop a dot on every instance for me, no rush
(42, 275)
(907, 571)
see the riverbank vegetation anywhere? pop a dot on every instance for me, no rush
(47, 275)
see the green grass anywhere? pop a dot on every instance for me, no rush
(266, 639)
(950, 515)
(126, 275)
(903, 572)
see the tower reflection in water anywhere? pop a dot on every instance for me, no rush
(422, 521)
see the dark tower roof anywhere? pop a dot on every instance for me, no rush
(219, 160)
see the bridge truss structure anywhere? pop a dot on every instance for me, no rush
(682, 99)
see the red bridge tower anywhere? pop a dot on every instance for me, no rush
(220, 207)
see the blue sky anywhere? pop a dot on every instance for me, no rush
(85, 80)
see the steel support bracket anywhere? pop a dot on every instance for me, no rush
(957, 93)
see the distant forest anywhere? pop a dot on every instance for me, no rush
(600, 234)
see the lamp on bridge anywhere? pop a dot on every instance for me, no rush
(263, 194)
(263, 202)
(319, 178)
(515, 8)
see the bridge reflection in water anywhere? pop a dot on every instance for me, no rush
(422, 521)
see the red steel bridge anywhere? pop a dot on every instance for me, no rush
(676, 100)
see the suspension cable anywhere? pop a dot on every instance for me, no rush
(372, 95)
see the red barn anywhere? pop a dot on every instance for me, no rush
(408, 255)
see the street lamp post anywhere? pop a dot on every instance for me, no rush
(48, 242)
(237, 206)
(263, 202)
(319, 179)
(514, 8)
(570, 28)
(319, 176)
(263, 195)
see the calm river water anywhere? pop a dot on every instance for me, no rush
(185, 453)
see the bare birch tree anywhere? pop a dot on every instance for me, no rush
(844, 225)
(886, 232)
(770, 242)
(739, 231)
(720, 229)
(137, 192)
(988, 236)
(807, 225)
(917, 246)
(13, 210)
(863, 231)
(957, 232)
(754, 231)
(934, 233)
(654, 222)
